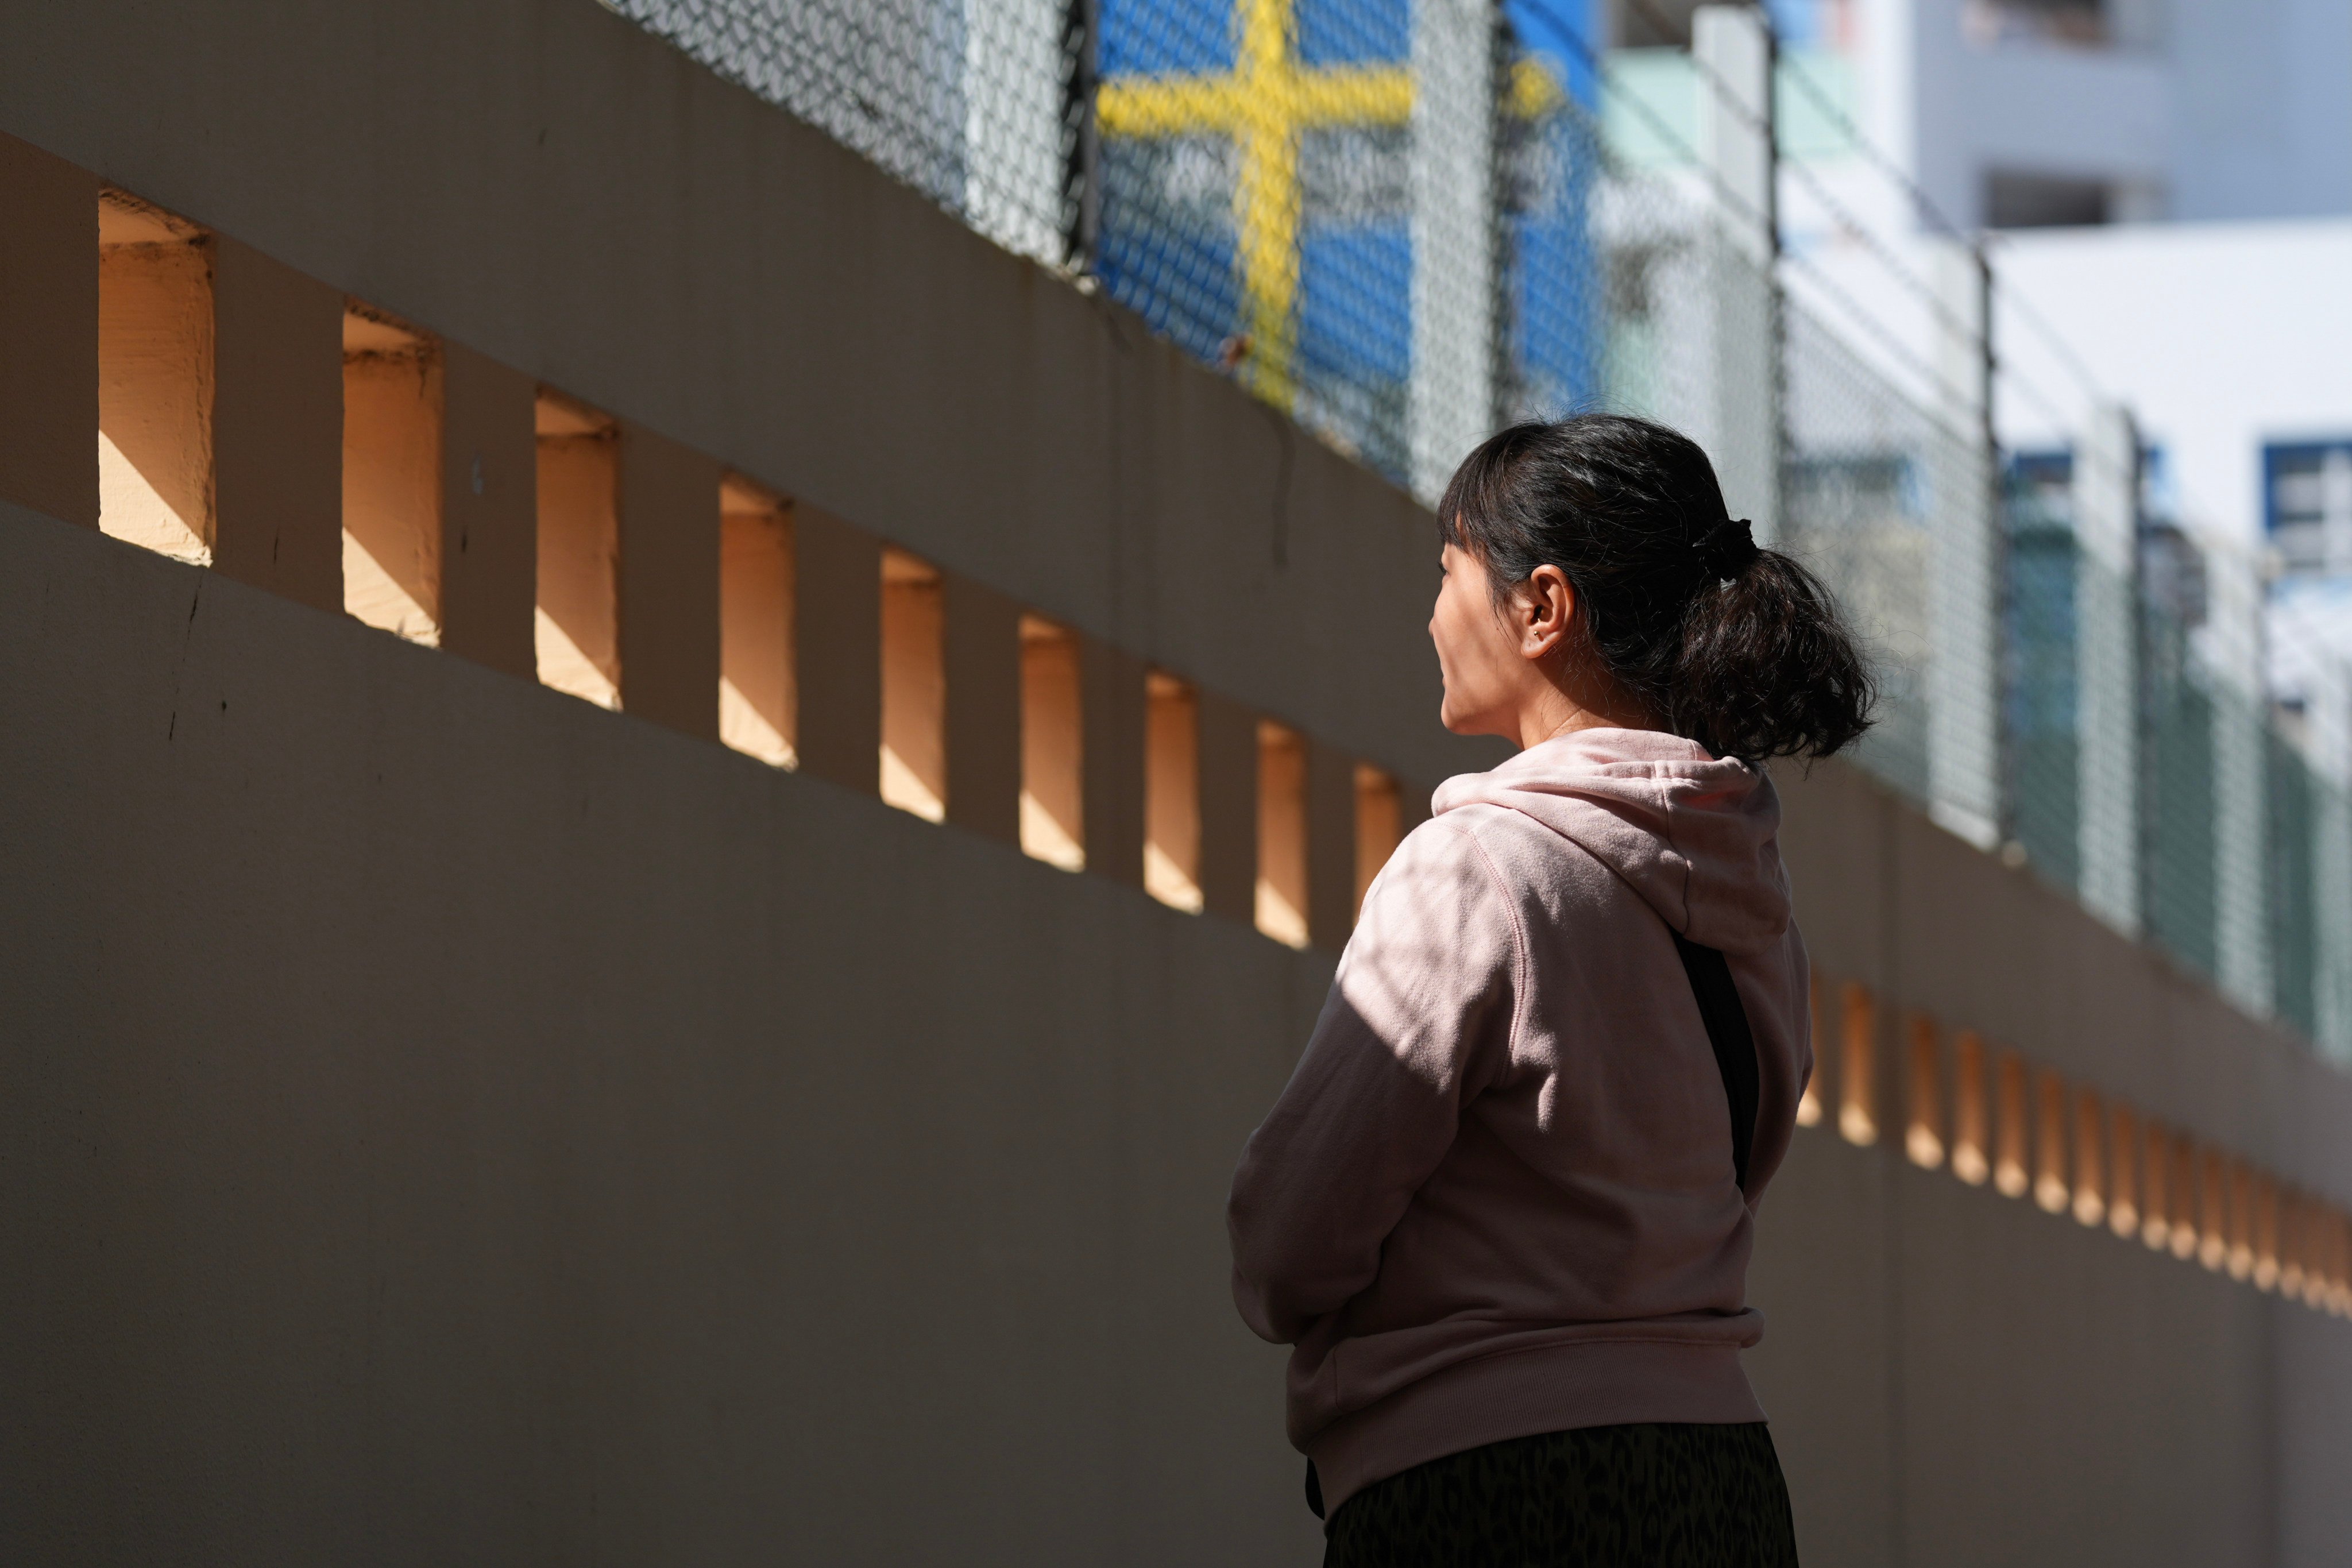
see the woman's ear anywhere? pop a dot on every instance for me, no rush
(1545, 603)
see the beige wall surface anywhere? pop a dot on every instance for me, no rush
(449, 1121)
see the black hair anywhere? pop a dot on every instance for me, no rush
(1738, 648)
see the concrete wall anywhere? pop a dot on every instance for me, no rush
(544, 183)
(452, 1121)
(1956, 1377)
(449, 1123)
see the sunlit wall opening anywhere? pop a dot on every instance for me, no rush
(577, 624)
(757, 691)
(1053, 740)
(1171, 804)
(1923, 1128)
(2010, 1178)
(1971, 1144)
(2123, 1172)
(1281, 834)
(155, 380)
(2187, 1213)
(1809, 1102)
(1380, 825)
(1858, 1068)
(2090, 1172)
(2051, 1189)
(391, 476)
(914, 760)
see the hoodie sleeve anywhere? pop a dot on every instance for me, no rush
(1419, 1017)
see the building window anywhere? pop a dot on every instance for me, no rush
(2017, 200)
(2307, 505)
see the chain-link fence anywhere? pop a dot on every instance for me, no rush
(1405, 222)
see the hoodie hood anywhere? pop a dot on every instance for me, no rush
(1695, 837)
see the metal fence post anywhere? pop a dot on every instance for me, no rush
(1733, 45)
(1013, 110)
(2330, 711)
(2233, 656)
(1450, 397)
(2106, 666)
(1964, 593)
(1081, 137)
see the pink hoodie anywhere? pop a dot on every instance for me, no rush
(1496, 1197)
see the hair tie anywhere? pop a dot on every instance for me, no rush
(1726, 549)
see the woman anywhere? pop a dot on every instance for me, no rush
(1504, 1208)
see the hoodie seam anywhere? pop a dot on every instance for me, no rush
(1521, 962)
(1666, 835)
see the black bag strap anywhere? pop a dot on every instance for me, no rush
(1721, 1009)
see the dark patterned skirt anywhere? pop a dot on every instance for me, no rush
(1655, 1496)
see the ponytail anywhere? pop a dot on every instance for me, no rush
(1739, 648)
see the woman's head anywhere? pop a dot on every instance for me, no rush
(1609, 567)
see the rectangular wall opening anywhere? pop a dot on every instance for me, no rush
(2123, 1172)
(914, 686)
(2010, 1176)
(2334, 1247)
(2156, 1188)
(1809, 1102)
(1172, 793)
(2267, 1233)
(2212, 1209)
(2090, 1173)
(758, 697)
(155, 380)
(2052, 1188)
(2291, 1245)
(576, 627)
(392, 477)
(1053, 747)
(1858, 1068)
(2186, 1211)
(1281, 834)
(1923, 1132)
(2241, 1189)
(1972, 1140)
(1380, 825)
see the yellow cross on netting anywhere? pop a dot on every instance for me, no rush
(1263, 103)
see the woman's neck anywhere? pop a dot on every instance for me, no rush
(1551, 709)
